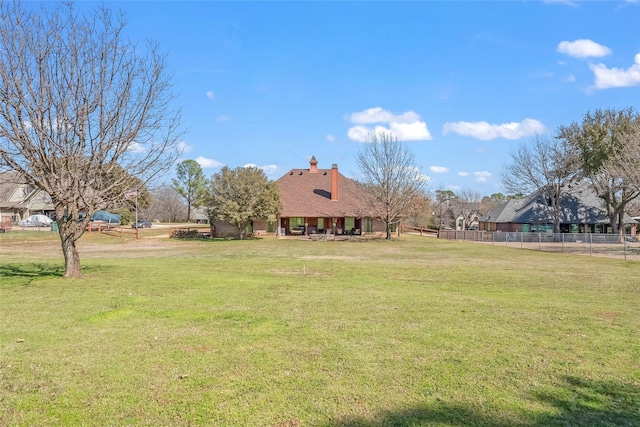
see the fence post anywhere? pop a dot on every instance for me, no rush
(625, 247)
(521, 239)
(562, 242)
(590, 244)
(539, 241)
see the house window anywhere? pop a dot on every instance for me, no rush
(349, 223)
(392, 227)
(296, 222)
(368, 225)
(320, 223)
(271, 226)
(574, 228)
(542, 228)
(526, 228)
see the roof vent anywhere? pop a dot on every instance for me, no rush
(325, 172)
(300, 173)
(291, 173)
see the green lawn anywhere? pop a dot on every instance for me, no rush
(412, 332)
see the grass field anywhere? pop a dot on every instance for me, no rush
(412, 332)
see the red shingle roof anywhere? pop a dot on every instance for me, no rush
(308, 194)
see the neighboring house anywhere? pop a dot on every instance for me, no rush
(472, 224)
(448, 220)
(581, 212)
(199, 216)
(319, 201)
(19, 200)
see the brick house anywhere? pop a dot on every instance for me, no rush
(581, 210)
(319, 201)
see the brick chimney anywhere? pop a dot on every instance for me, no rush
(334, 182)
(313, 165)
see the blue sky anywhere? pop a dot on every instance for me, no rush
(462, 83)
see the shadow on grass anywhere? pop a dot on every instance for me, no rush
(30, 271)
(437, 414)
(576, 402)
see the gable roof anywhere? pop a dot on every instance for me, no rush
(15, 193)
(579, 204)
(10, 183)
(307, 193)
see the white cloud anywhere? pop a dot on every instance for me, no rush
(453, 187)
(424, 178)
(330, 138)
(570, 78)
(439, 169)
(583, 48)
(418, 175)
(136, 147)
(208, 163)
(616, 77)
(406, 126)
(183, 147)
(565, 2)
(416, 131)
(463, 173)
(358, 133)
(211, 95)
(223, 118)
(268, 169)
(482, 176)
(486, 131)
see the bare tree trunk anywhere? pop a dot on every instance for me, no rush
(619, 223)
(70, 229)
(71, 257)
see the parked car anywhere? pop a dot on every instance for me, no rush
(141, 224)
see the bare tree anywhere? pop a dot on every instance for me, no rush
(467, 205)
(444, 200)
(166, 205)
(78, 101)
(390, 180)
(607, 144)
(546, 166)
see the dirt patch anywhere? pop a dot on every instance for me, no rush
(330, 257)
(608, 315)
(24, 246)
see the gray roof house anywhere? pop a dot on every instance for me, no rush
(582, 211)
(19, 200)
